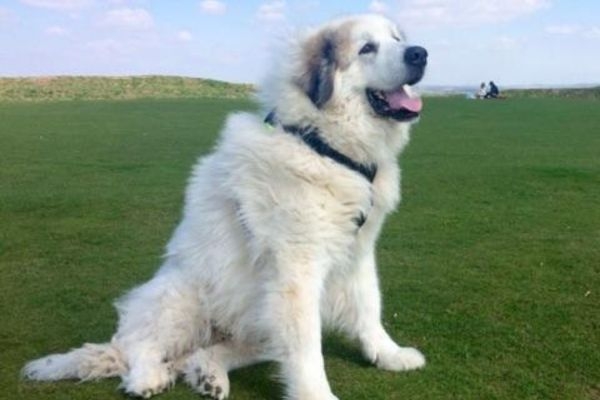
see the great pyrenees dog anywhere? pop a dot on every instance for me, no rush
(277, 239)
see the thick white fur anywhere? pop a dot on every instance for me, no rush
(268, 252)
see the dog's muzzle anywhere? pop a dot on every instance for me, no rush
(401, 104)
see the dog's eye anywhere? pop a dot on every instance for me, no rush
(368, 48)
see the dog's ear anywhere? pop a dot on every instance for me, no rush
(317, 79)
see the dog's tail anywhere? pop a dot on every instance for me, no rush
(90, 362)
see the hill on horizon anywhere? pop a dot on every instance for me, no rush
(51, 88)
(64, 88)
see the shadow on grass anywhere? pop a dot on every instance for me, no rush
(262, 382)
(338, 347)
(257, 381)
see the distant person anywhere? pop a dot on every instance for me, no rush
(493, 92)
(482, 91)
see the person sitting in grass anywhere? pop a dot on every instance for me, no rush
(482, 91)
(494, 92)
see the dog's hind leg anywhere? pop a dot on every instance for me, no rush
(90, 362)
(160, 321)
(206, 370)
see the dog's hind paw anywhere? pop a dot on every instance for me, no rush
(210, 386)
(146, 382)
(206, 377)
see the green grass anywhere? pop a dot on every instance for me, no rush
(491, 266)
(590, 93)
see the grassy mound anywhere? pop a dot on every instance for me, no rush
(117, 88)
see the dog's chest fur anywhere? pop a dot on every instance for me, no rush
(287, 193)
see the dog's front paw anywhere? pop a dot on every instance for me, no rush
(400, 359)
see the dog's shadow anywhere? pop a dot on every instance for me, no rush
(341, 348)
(259, 380)
(262, 380)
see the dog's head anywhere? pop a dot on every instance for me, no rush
(364, 59)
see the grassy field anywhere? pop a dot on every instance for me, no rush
(491, 266)
(591, 93)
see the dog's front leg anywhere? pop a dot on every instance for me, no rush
(362, 319)
(296, 327)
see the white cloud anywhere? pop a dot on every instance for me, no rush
(592, 33)
(378, 7)
(307, 6)
(125, 48)
(128, 18)
(184, 36)
(271, 11)
(56, 30)
(437, 13)
(587, 32)
(214, 7)
(563, 29)
(106, 47)
(60, 5)
(506, 43)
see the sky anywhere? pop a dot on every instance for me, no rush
(513, 42)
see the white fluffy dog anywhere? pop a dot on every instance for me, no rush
(278, 231)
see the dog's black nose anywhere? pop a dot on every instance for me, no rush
(415, 55)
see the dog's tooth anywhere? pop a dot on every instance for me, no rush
(408, 90)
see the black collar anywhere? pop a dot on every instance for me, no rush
(310, 136)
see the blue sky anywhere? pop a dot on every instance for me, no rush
(514, 42)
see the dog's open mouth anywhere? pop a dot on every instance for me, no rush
(400, 104)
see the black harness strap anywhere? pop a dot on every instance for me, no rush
(310, 136)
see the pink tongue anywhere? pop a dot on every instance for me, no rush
(399, 99)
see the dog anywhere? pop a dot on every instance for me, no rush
(277, 238)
